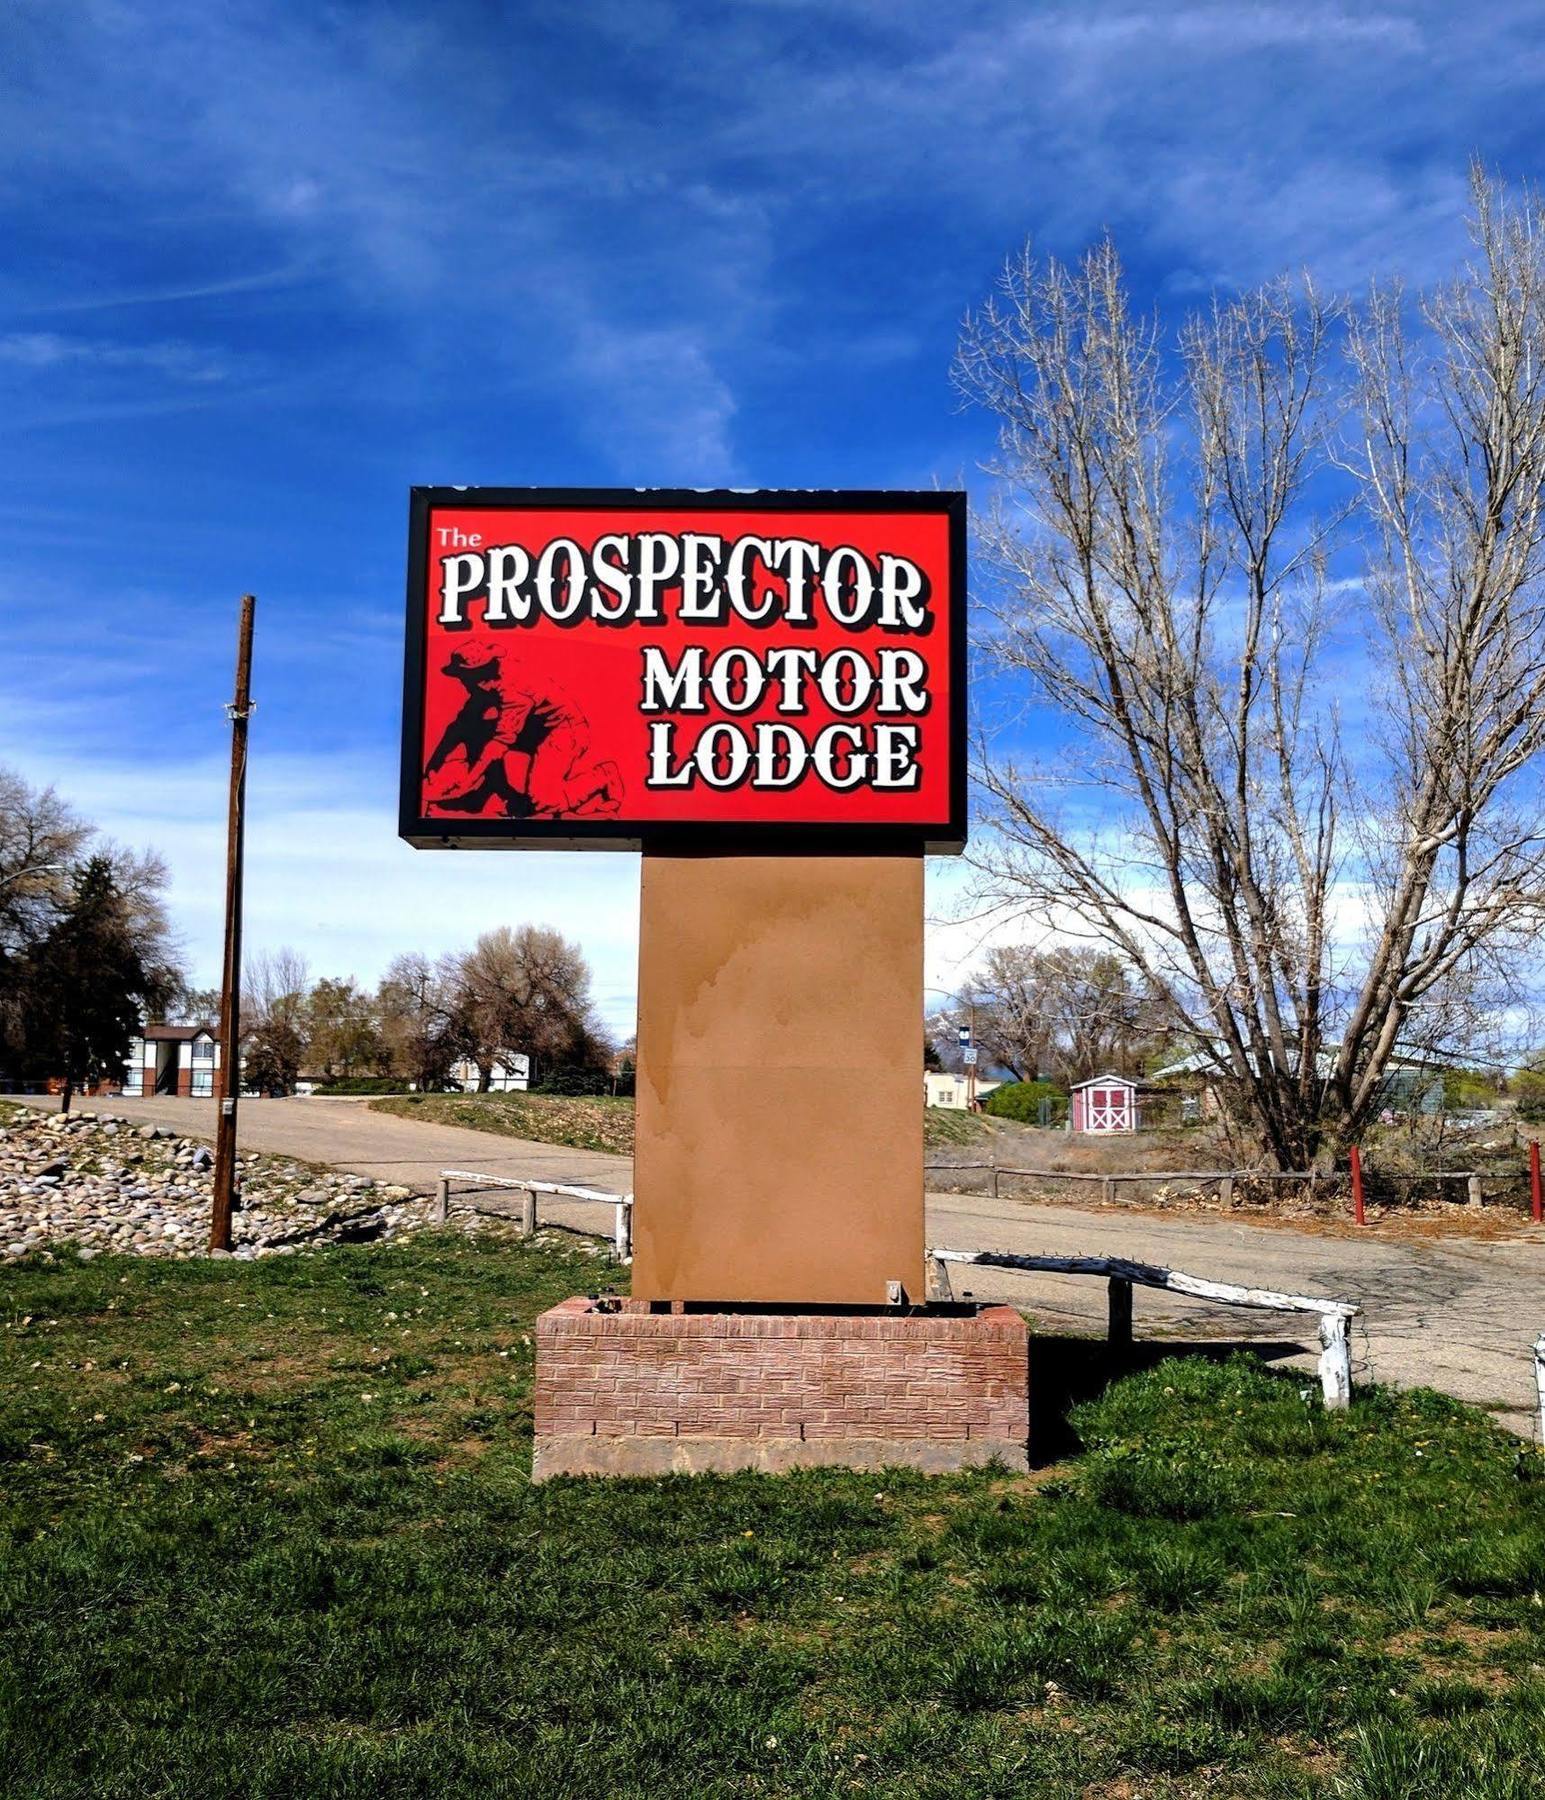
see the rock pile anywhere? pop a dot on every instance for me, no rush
(104, 1182)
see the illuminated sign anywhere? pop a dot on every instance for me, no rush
(682, 670)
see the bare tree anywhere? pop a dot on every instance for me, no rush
(274, 991)
(41, 838)
(523, 992)
(343, 1029)
(1067, 1012)
(1306, 902)
(424, 1033)
(275, 982)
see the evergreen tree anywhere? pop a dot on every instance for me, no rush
(85, 986)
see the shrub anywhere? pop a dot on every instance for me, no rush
(1021, 1100)
(362, 1084)
(1527, 1087)
(586, 1081)
(1467, 1090)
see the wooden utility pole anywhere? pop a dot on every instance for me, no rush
(229, 1085)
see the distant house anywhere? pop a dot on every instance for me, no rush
(940, 1088)
(1103, 1106)
(511, 1075)
(173, 1059)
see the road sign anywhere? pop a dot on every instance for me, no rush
(968, 1056)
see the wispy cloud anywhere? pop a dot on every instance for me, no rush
(176, 361)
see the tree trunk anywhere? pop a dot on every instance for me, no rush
(64, 1098)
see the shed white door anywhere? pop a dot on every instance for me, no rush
(1109, 1109)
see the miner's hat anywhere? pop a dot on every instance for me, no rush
(472, 657)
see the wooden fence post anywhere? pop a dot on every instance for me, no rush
(1473, 1191)
(1335, 1361)
(1536, 1199)
(622, 1237)
(1107, 1190)
(1356, 1157)
(995, 1178)
(1120, 1308)
(527, 1211)
(1226, 1190)
(442, 1200)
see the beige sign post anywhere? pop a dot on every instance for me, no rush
(780, 1049)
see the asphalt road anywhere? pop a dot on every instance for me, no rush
(1454, 1314)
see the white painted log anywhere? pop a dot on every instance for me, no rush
(1335, 1361)
(622, 1204)
(482, 1179)
(1151, 1275)
(939, 1280)
(442, 1200)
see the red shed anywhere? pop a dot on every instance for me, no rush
(1104, 1104)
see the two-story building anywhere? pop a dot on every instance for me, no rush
(173, 1059)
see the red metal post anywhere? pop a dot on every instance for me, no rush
(1357, 1186)
(1537, 1204)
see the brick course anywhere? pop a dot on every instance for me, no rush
(639, 1392)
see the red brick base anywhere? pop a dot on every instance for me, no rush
(635, 1392)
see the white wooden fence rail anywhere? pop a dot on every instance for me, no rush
(622, 1204)
(1334, 1315)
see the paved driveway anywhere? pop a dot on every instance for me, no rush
(345, 1133)
(1453, 1314)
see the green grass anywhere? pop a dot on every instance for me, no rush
(952, 1125)
(585, 1123)
(268, 1531)
(599, 1124)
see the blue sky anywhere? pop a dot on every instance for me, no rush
(267, 265)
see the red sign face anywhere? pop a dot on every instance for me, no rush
(685, 670)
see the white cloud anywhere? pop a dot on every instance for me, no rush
(177, 361)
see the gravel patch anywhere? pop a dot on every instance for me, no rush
(100, 1182)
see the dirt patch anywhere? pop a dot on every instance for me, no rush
(1478, 1643)
(1395, 1224)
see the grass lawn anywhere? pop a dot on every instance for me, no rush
(588, 1124)
(268, 1531)
(598, 1124)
